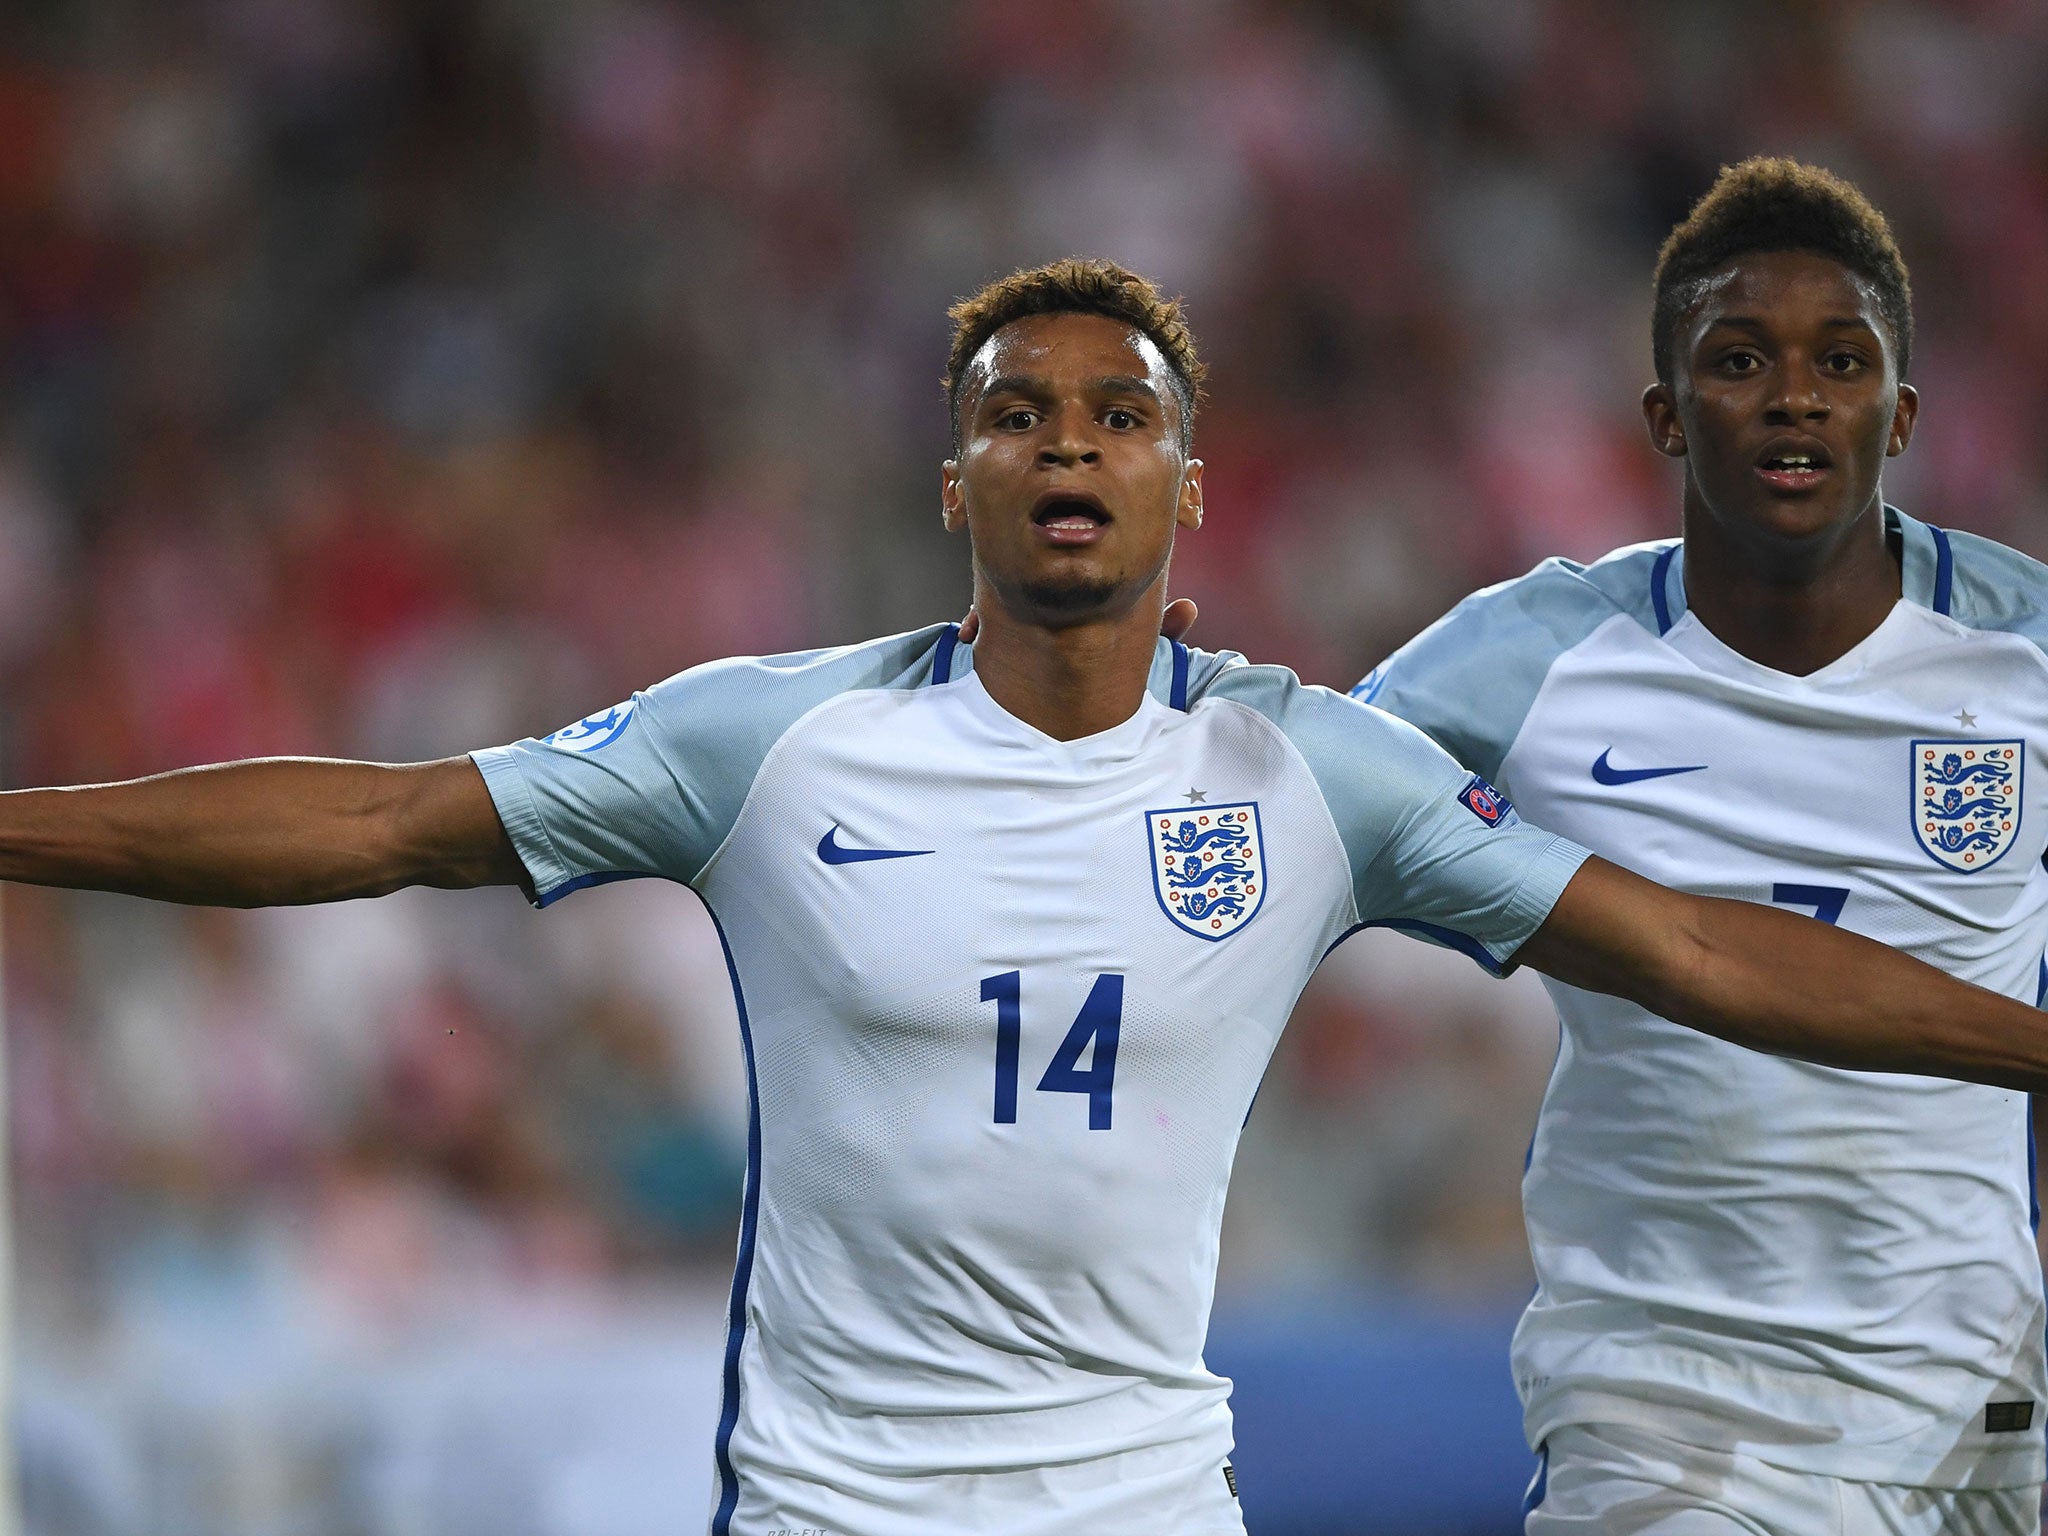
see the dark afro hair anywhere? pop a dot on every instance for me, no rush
(1078, 285)
(1778, 205)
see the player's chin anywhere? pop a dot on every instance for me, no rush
(1797, 515)
(1072, 595)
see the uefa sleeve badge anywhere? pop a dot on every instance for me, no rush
(592, 731)
(1208, 866)
(1967, 799)
(1487, 803)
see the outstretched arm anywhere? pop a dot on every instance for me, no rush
(268, 832)
(1779, 982)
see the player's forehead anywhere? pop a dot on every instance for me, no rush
(1068, 353)
(1785, 291)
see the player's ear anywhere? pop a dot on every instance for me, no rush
(1187, 512)
(1660, 415)
(1904, 414)
(952, 500)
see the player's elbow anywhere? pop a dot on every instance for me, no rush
(1688, 963)
(1613, 931)
(435, 824)
(1666, 951)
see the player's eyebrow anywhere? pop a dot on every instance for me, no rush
(1030, 385)
(1124, 384)
(1034, 387)
(1757, 323)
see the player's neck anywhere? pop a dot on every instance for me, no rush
(1791, 608)
(1069, 682)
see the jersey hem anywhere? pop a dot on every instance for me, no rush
(1168, 1477)
(1917, 1463)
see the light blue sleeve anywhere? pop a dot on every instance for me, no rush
(652, 786)
(1433, 849)
(1982, 583)
(1470, 678)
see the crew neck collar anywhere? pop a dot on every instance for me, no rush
(1119, 742)
(1708, 651)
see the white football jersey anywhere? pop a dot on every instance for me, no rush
(1006, 1002)
(1833, 1271)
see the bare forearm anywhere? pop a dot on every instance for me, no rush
(268, 832)
(1779, 982)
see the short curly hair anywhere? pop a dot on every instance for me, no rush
(1766, 204)
(1077, 285)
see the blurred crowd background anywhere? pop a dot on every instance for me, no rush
(392, 377)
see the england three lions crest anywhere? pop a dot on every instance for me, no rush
(1208, 866)
(1967, 800)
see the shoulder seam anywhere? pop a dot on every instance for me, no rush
(776, 747)
(1555, 570)
(1543, 687)
(1336, 834)
(2037, 650)
(1654, 579)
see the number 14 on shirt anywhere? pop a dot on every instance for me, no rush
(1098, 1022)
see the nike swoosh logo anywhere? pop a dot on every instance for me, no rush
(1605, 773)
(830, 851)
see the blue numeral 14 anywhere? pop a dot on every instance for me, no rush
(1098, 1023)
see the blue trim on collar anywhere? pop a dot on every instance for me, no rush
(942, 658)
(1178, 697)
(1659, 574)
(1926, 561)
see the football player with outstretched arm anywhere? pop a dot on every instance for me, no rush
(1013, 927)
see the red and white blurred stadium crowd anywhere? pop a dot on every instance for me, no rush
(386, 379)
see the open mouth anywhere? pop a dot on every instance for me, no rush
(1067, 518)
(1787, 466)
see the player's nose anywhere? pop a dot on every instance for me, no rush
(1798, 397)
(1067, 446)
